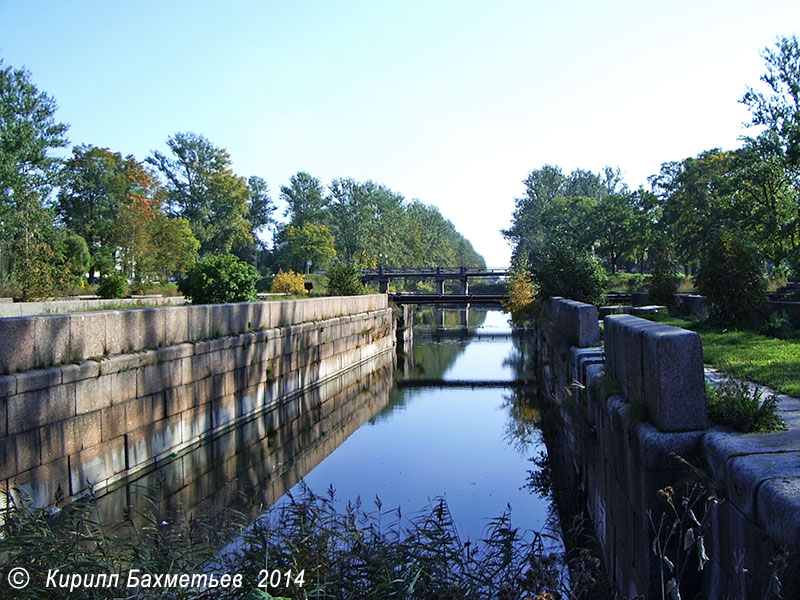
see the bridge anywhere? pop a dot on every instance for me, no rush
(438, 274)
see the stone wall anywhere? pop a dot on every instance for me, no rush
(617, 417)
(95, 399)
(8, 308)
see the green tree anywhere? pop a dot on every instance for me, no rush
(305, 200)
(730, 276)
(28, 171)
(612, 221)
(76, 257)
(344, 279)
(220, 278)
(94, 184)
(778, 107)
(202, 188)
(310, 242)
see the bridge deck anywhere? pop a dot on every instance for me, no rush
(448, 298)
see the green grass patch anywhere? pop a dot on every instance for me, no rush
(747, 354)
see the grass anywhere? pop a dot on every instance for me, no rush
(334, 550)
(748, 355)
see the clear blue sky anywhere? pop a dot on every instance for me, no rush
(449, 102)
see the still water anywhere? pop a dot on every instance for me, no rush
(468, 445)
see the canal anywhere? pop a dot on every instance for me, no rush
(457, 426)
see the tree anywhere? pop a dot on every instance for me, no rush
(344, 279)
(305, 200)
(310, 242)
(94, 184)
(202, 188)
(220, 278)
(76, 257)
(612, 220)
(28, 171)
(778, 109)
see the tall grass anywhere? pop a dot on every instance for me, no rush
(343, 551)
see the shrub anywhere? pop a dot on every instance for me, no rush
(113, 286)
(569, 272)
(344, 279)
(289, 283)
(664, 282)
(521, 294)
(730, 277)
(218, 279)
(735, 405)
(777, 325)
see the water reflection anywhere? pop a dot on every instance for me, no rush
(470, 446)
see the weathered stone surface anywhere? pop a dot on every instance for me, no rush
(176, 325)
(778, 510)
(746, 474)
(87, 335)
(154, 327)
(199, 322)
(51, 346)
(38, 379)
(16, 345)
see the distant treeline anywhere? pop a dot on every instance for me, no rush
(64, 221)
(750, 195)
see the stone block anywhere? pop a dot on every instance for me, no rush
(778, 510)
(8, 386)
(176, 325)
(746, 475)
(51, 345)
(199, 317)
(220, 320)
(30, 410)
(154, 327)
(154, 440)
(93, 394)
(90, 468)
(38, 379)
(17, 343)
(674, 386)
(27, 450)
(241, 317)
(8, 466)
(196, 422)
(42, 484)
(88, 369)
(178, 399)
(656, 448)
(87, 335)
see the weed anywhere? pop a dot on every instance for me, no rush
(742, 408)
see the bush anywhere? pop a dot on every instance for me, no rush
(344, 279)
(113, 286)
(289, 283)
(730, 277)
(664, 282)
(521, 294)
(218, 279)
(777, 325)
(735, 405)
(571, 273)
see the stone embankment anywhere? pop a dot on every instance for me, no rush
(90, 401)
(55, 307)
(617, 418)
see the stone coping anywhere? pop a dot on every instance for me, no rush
(43, 341)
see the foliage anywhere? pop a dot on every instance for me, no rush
(344, 552)
(628, 282)
(344, 279)
(779, 108)
(220, 278)
(738, 406)
(202, 188)
(664, 283)
(777, 325)
(309, 242)
(521, 293)
(730, 277)
(564, 270)
(113, 286)
(305, 200)
(76, 258)
(28, 171)
(288, 283)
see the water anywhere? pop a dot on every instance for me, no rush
(469, 446)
